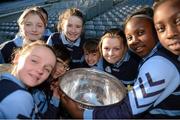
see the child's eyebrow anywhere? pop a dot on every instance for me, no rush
(47, 65)
(35, 56)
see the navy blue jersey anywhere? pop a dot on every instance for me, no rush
(7, 50)
(75, 48)
(46, 35)
(1, 58)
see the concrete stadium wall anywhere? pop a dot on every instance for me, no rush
(9, 17)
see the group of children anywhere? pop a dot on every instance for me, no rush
(145, 55)
(156, 88)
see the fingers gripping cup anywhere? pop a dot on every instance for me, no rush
(92, 88)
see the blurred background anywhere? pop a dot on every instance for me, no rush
(100, 14)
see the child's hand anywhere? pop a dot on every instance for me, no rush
(55, 88)
(72, 107)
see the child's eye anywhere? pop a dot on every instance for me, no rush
(28, 24)
(129, 38)
(47, 70)
(78, 26)
(69, 25)
(160, 29)
(40, 25)
(141, 32)
(106, 48)
(34, 61)
(116, 49)
(94, 54)
(86, 54)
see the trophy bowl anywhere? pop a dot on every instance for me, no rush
(92, 88)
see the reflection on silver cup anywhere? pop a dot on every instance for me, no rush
(92, 88)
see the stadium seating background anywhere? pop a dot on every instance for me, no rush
(100, 14)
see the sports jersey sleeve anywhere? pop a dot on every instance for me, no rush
(13, 106)
(157, 79)
(55, 101)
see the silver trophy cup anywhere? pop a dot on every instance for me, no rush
(92, 88)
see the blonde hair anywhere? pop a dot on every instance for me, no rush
(32, 10)
(28, 47)
(68, 13)
(22, 51)
(113, 33)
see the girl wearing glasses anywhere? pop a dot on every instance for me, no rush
(47, 95)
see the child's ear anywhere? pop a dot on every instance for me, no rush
(16, 58)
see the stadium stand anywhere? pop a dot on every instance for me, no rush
(114, 17)
(101, 15)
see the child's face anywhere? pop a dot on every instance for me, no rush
(72, 27)
(33, 27)
(60, 68)
(33, 67)
(113, 49)
(167, 24)
(91, 58)
(139, 35)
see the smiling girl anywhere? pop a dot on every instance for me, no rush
(30, 68)
(32, 23)
(70, 34)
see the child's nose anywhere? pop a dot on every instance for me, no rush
(34, 28)
(40, 70)
(134, 39)
(171, 31)
(110, 52)
(89, 58)
(73, 29)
